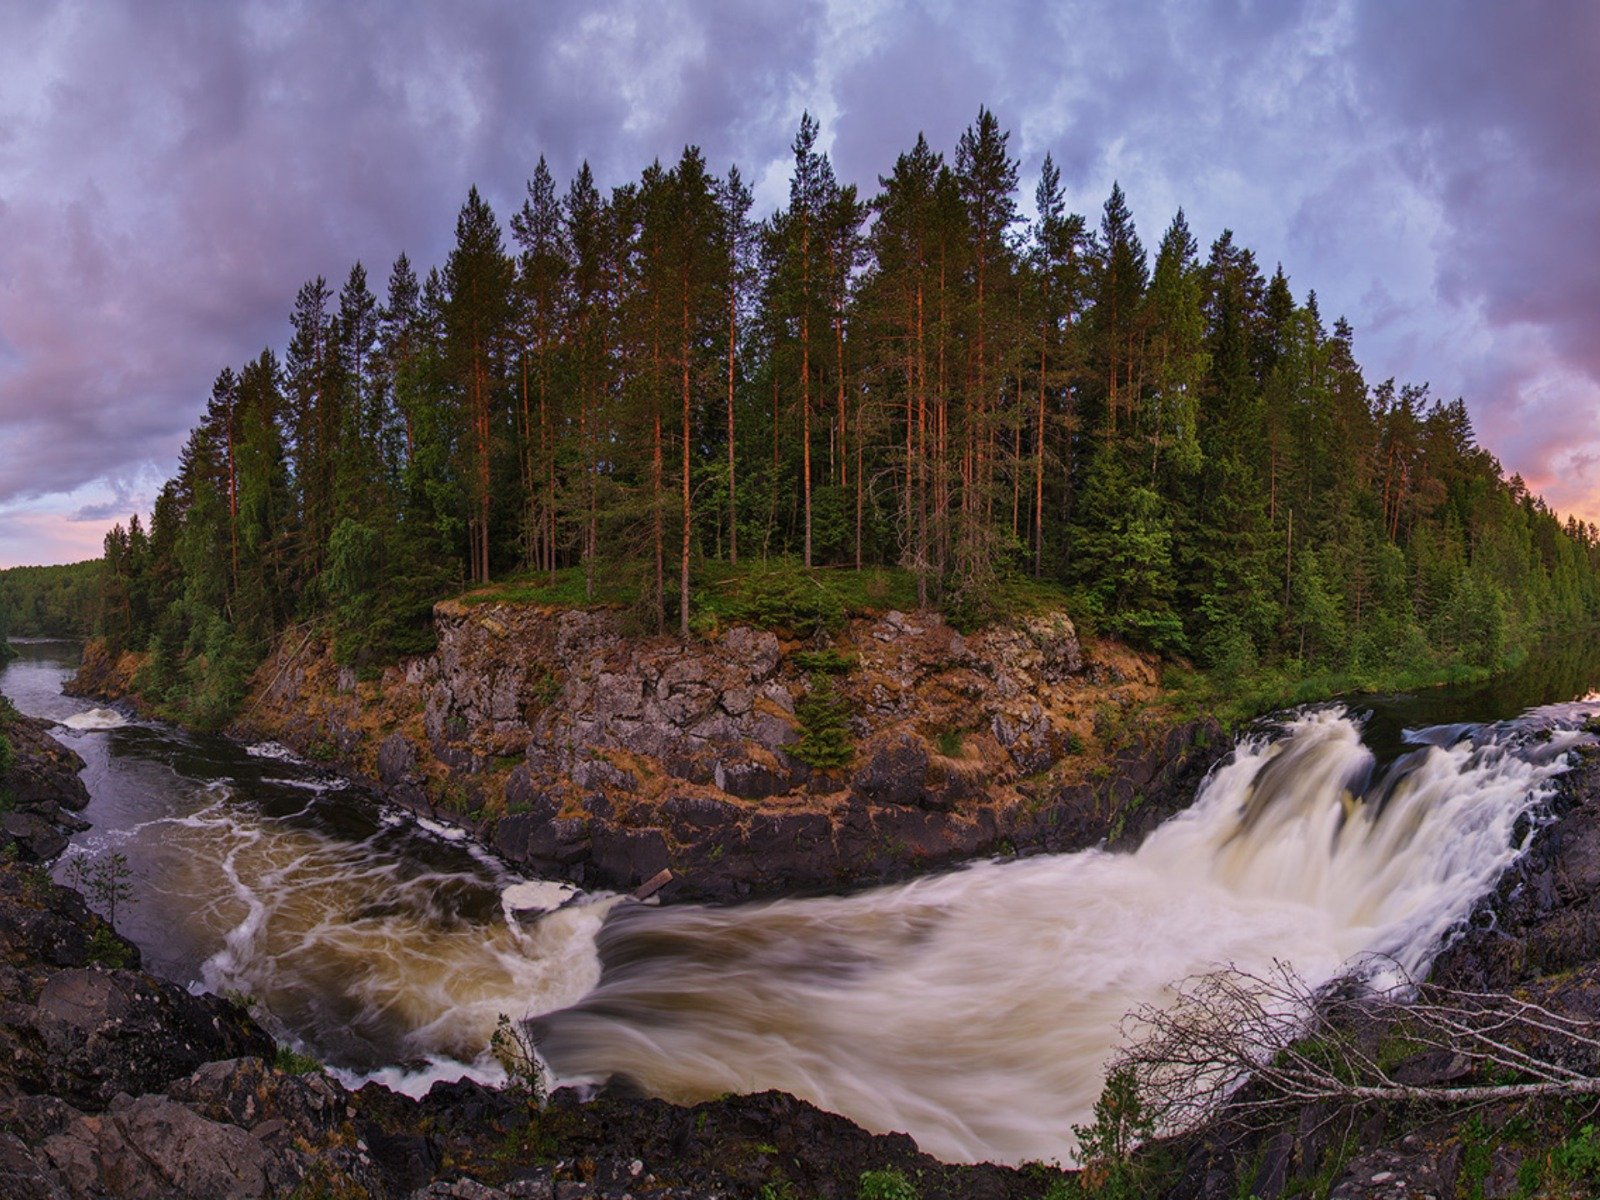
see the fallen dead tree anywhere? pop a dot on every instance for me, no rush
(1256, 1045)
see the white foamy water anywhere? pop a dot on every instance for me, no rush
(356, 949)
(95, 719)
(976, 1010)
(275, 750)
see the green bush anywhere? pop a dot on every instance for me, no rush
(106, 949)
(966, 609)
(827, 662)
(888, 1184)
(292, 1062)
(825, 739)
(1106, 1146)
(786, 596)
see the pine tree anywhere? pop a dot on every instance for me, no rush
(478, 280)
(540, 232)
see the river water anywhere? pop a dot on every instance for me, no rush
(974, 1009)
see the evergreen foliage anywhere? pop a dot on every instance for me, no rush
(61, 601)
(643, 389)
(824, 715)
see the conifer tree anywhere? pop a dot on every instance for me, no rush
(478, 279)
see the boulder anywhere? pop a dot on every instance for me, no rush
(154, 1148)
(36, 838)
(96, 1033)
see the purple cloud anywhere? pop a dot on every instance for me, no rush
(170, 173)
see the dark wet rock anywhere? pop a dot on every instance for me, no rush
(41, 923)
(628, 856)
(95, 1033)
(397, 758)
(794, 846)
(752, 779)
(37, 839)
(41, 789)
(895, 774)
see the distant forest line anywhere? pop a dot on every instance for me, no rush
(635, 395)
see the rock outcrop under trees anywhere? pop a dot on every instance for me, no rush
(578, 751)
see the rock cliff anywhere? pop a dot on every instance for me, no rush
(578, 750)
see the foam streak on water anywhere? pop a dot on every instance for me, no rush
(976, 1010)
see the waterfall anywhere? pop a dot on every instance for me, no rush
(976, 1010)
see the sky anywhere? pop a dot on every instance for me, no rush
(170, 173)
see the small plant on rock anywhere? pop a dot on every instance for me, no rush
(825, 739)
(827, 661)
(513, 1050)
(1106, 1146)
(291, 1062)
(106, 949)
(889, 1184)
(103, 882)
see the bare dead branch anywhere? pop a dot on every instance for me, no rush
(1254, 1044)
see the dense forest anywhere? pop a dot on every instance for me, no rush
(60, 601)
(643, 390)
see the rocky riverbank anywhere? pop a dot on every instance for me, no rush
(117, 1084)
(1535, 938)
(579, 751)
(40, 792)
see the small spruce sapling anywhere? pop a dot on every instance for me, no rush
(824, 715)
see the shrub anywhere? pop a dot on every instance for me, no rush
(106, 949)
(291, 1062)
(825, 739)
(1106, 1146)
(513, 1049)
(102, 881)
(828, 661)
(786, 596)
(889, 1184)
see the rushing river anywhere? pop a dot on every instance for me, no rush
(974, 1009)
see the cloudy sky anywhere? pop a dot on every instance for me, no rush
(171, 172)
